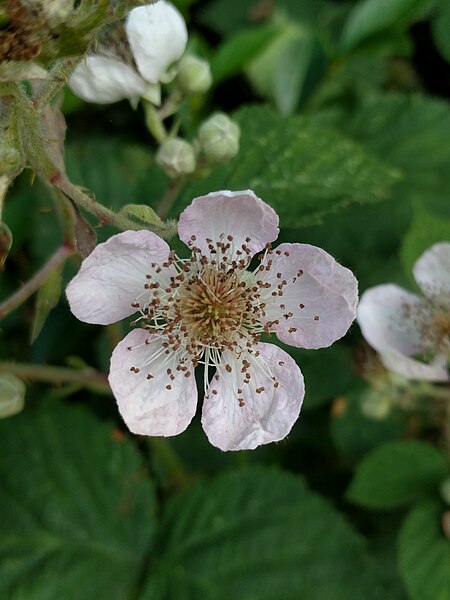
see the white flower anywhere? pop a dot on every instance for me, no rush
(210, 309)
(157, 36)
(401, 325)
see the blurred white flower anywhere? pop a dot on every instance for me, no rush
(412, 333)
(157, 36)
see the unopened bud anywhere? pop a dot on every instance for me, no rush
(176, 157)
(194, 75)
(376, 405)
(219, 138)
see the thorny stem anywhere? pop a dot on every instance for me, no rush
(59, 74)
(87, 377)
(32, 285)
(105, 215)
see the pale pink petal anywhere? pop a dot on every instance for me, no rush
(316, 302)
(241, 215)
(105, 80)
(413, 369)
(391, 318)
(114, 275)
(157, 35)
(432, 273)
(162, 405)
(268, 412)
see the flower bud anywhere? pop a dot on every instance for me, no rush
(176, 157)
(194, 75)
(219, 138)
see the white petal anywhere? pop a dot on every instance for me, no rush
(157, 35)
(157, 406)
(432, 273)
(114, 274)
(267, 414)
(241, 215)
(319, 298)
(105, 80)
(392, 318)
(413, 369)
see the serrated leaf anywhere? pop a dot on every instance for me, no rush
(47, 298)
(77, 513)
(303, 171)
(397, 474)
(424, 553)
(247, 533)
(12, 395)
(410, 132)
(371, 17)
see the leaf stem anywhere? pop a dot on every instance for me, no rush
(33, 284)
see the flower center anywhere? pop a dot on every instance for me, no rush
(213, 305)
(439, 331)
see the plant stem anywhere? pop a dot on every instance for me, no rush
(32, 285)
(59, 74)
(103, 214)
(87, 377)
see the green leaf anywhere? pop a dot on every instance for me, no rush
(355, 434)
(396, 474)
(299, 66)
(424, 553)
(372, 17)
(237, 51)
(12, 395)
(426, 229)
(303, 171)
(440, 28)
(118, 173)
(47, 298)
(410, 132)
(77, 512)
(319, 389)
(256, 534)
